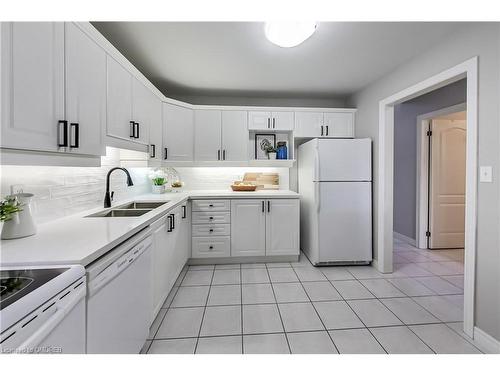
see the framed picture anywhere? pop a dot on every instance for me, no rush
(262, 142)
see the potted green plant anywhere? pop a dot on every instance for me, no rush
(271, 153)
(159, 180)
(8, 207)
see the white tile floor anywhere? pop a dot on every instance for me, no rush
(298, 308)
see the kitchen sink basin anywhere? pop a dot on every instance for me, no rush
(141, 205)
(120, 213)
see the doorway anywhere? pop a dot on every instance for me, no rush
(441, 178)
(384, 190)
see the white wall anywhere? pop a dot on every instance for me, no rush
(477, 40)
(405, 150)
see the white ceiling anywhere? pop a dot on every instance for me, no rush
(235, 58)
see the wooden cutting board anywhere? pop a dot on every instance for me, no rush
(264, 181)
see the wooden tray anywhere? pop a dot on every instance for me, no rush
(243, 187)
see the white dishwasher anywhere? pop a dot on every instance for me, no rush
(119, 297)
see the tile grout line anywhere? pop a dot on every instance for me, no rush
(204, 310)
(279, 311)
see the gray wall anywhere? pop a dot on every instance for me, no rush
(477, 40)
(259, 101)
(405, 150)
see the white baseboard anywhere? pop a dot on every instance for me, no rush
(406, 239)
(485, 342)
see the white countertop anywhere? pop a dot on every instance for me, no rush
(79, 240)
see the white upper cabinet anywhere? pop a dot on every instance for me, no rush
(248, 227)
(220, 135)
(178, 133)
(85, 92)
(234, 136)
(143, 101)
(156, 130)
(119, 119)
(208, 135)
(324, 125)
(339, 124)
(282, 227)
(32, 76)
(261, 120)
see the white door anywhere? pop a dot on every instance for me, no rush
(282, 120)
(344, 218)
(142, 106)
(282, 227)
(308, 124)
(156, 130)
(32, 95)
(447, 184)
(207, 135)
(339, 124)
(234, 135)
(161, 257)
(85, 92)
(258, 120)
(343, 160)
(178, 133)
(248, 227)
(119, 97)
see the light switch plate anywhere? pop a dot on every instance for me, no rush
(485, 174)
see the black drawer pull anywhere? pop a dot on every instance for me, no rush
(211, 218)
(210, 205)
(76, 127)
(132, 129)
(64, 134)
(211, 247)
(211, 230)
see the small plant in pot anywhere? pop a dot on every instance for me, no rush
(159, 181)
(8, 207)
(271, 153)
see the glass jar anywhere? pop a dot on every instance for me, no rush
(281, 151)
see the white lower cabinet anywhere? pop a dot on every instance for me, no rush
(171, 237)
(282, 227)
(248, 227)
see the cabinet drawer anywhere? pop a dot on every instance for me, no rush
(207, 247)
(200, 230)
(211, 217)
(211, 205)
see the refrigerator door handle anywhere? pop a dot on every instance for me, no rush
(316, 165)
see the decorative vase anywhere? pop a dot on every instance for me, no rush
(271, 155)
(158, 189)
(22, 223)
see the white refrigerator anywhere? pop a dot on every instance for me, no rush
(335, 184)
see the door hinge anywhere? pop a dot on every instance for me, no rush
(427, 234)
(429, 133)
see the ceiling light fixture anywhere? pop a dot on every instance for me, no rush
(289, 33)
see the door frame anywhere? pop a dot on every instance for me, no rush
(422, 208)
(383, 227)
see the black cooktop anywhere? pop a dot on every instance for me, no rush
(15, 284)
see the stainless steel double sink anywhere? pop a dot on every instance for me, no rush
(132, 209)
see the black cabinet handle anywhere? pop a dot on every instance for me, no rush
(210, 205)
(76, 132)
(263, 206)
(211, 247)
(327, 130)
(268, 123)
(173, 221)
(223, 154)
(64, 128)
(274, 123)
(211, 217)
(152, 152)
(169, 218)
(166, 153)
(218, 154)
(321, 130)
(210, 230)
(132, 129)
(268, 206)
(184, 212)
(136, 129)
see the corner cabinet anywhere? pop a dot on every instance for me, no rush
(178, 133)
(267, 227)
(334, 124)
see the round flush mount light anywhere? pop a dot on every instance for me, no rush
(289, 33)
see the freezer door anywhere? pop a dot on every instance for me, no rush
(345, 221)
(344, 160)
